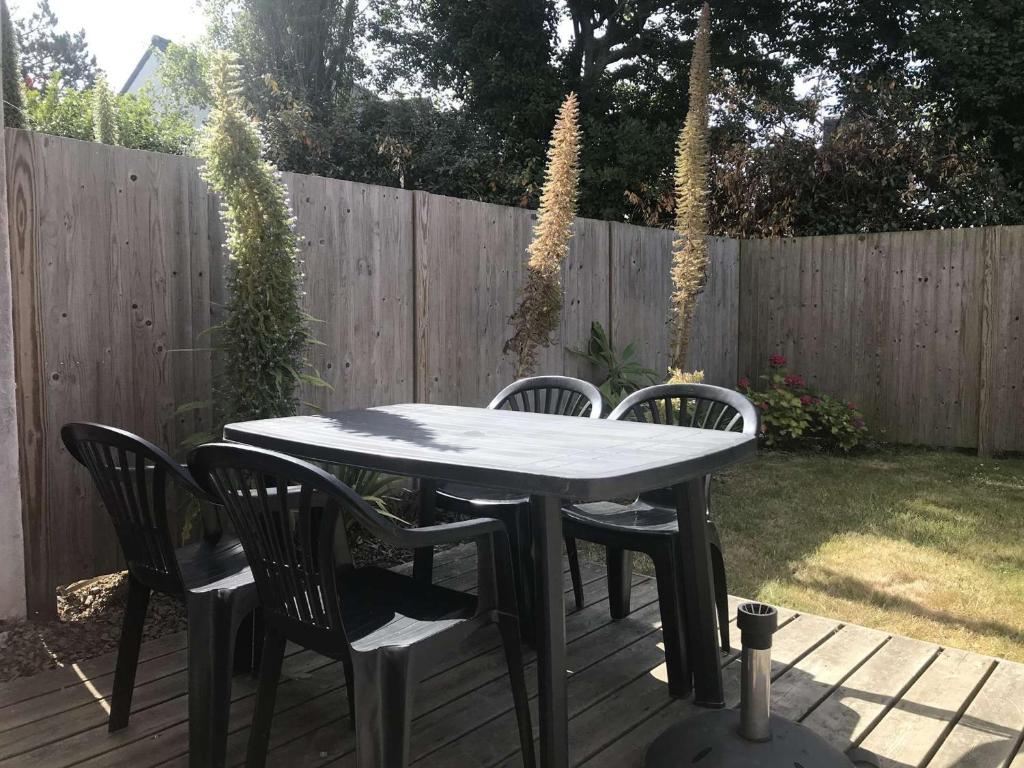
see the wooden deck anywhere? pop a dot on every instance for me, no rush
(912, 703)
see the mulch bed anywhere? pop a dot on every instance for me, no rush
(89, 619)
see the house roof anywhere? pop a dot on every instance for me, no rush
(156, 43)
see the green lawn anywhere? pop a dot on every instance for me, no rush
(928, 544)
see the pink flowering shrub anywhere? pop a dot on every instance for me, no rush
(794, 416)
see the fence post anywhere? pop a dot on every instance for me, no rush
(989, 250)
(12, 547)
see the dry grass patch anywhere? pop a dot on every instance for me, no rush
(928, 544)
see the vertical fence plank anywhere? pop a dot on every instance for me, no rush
(1001, 425)
(24, 212)
(356, 249)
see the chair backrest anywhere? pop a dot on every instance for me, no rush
(286, 513)
(690, 405)
(559, 395)
(132, 476)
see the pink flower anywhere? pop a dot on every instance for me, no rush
(776, 361)
(851, 406)
(763, 405)
(795, 380)
(806, 399)
(858, 423)
(744, 382)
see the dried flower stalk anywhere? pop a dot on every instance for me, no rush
(690, 249)
(540, 302)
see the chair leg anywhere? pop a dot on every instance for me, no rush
(619, 563)
(270, 672)
(249, 643)
(211, 648)
(350, 691)
(721, 592)
(573, 556)
(509, 628)
(517, 525)
(384, 681)
(128, 654)
(672, 628)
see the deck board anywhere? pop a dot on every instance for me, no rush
(911, 702)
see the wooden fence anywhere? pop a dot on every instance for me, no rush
(922, 330)
(118, 271)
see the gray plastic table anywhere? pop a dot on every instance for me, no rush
(548, 458)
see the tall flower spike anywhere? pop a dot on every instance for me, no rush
(540, 302)
(690, 249)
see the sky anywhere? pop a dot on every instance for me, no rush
(119, 31)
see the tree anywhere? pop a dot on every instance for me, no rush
(895, 162)
(13, 103)
(540, 302)
(45, 51)
(138, 123)
(265, 335)
(690, 250)
(503, 60)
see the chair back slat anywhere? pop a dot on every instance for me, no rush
(131, 475)
(701, 406)
(556, 395)
(288, 514)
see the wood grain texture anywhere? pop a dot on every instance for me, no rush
(989, 731)
(899, 323)
(917, 724)
(355, 244)
(641, 293)
(618, 697)
(470, 266)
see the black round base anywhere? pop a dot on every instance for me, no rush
(712, 740)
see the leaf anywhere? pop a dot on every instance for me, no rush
(194, 405)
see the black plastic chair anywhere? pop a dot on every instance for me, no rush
(650, 524)
(559, 395)
(211, 577)
(384, 627)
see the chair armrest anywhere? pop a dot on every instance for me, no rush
(451, 533)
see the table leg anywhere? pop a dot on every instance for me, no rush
(698, 595)
(423, 559)
(549, 610)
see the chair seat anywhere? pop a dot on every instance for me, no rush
(638, 517)
(382, 608)
(221, 564)
(453, 495)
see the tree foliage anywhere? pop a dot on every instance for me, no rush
(138, 122)
(13, 103)
(540, 303)
(893, 163)
(265, 335)
(690, 249)
(46, 51)
(504, 61)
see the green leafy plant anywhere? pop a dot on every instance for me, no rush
(795, 416)
(135, 119)
(622, 374)
(265, 336)
(11, 72)
(104, 124)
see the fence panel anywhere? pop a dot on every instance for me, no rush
(890, 322)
